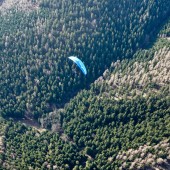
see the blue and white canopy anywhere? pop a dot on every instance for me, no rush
(79, 64)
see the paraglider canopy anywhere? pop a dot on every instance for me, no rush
(79, 64)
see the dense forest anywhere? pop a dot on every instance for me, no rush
(35, 74)
(116, 117)
(101, 128)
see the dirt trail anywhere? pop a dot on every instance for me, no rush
(31, 122)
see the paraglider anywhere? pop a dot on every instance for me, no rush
(79, 64)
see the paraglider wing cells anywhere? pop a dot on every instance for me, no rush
(79, 64)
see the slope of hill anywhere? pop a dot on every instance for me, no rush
(113, 125)
(121, 120)
(124, 113)
(139, 76)
(35, 74)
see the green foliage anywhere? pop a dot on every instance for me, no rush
(36, 78)
(95, 128)
(26, 147)
(105, 126)
(35, 74)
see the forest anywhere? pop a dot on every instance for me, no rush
(35, 74)
(115, 117)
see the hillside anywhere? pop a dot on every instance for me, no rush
(35, 75)
(120, 123)
(120, 115)
(116, 117)
(138, 76)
